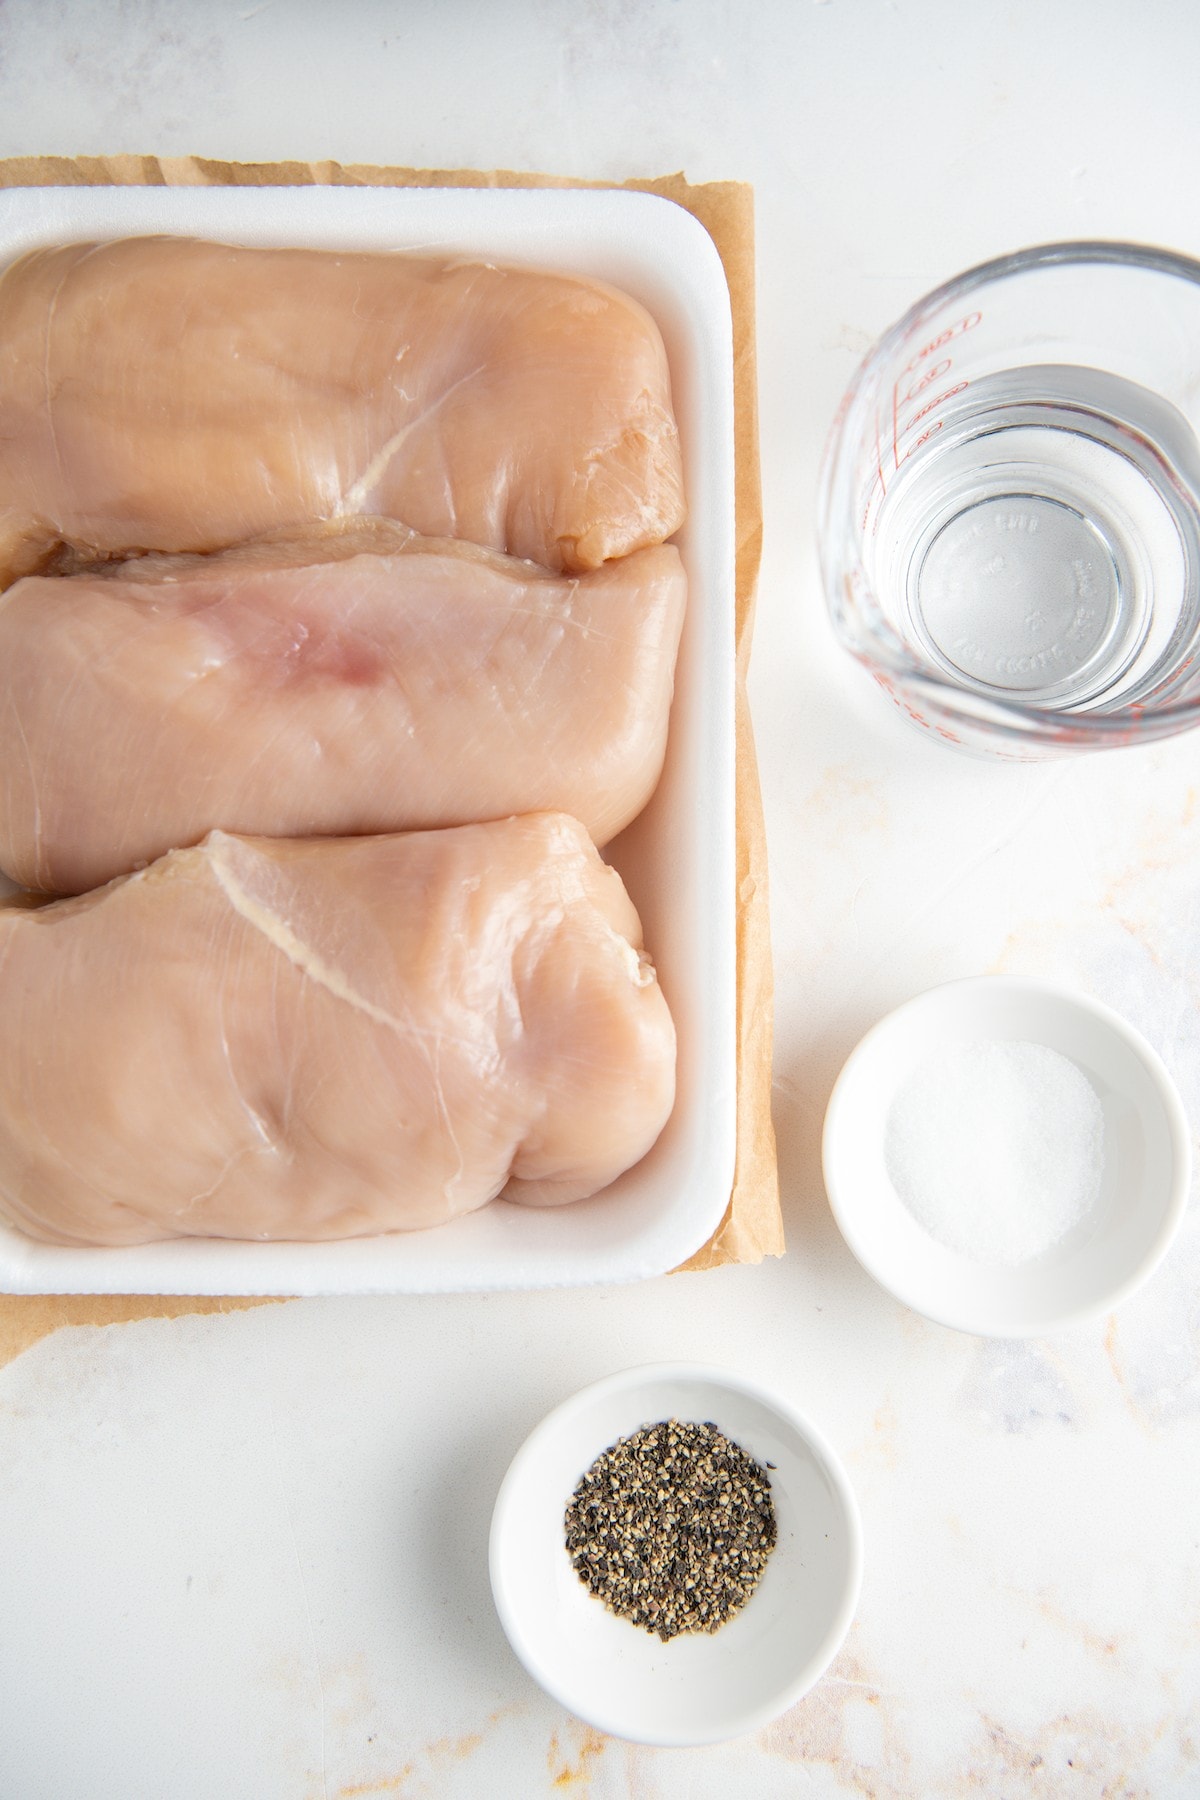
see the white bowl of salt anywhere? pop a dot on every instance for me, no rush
(1006, 1157)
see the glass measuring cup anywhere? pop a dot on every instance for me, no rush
(1009, 513)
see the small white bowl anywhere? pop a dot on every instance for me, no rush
(1109, 1253)
(697, 1688)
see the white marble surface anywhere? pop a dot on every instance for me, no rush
(244, 1556)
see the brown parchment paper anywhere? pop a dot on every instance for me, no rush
(752, 1226)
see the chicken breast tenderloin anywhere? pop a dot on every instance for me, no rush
(171, 394)
(366, 681)
(261, 1039)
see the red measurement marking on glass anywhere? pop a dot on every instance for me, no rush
(939, 400)
(943, 338)
(930, 431)
(865, 521)
(933, 373)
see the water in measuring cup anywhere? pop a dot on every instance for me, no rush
(1044, 544)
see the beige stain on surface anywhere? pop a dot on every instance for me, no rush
(1162, 837)
(1139, 897)
(885, 1426)
(841, 796)
(1084, 1753)
(881, 1449)
(391, 1784)
(815, 1731)
(1075, 1753)
(440, 1754)
(1112, 1350)
(423, 1772)
(356, 1710)
(571, 1766)
(1101, 1647)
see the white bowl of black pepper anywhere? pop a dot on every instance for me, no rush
(676, 1555)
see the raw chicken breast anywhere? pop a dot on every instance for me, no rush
(169, 394)
(369, 681)
(259, 1039)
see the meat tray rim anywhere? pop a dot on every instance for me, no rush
(678, 858)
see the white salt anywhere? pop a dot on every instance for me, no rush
(996, 1148)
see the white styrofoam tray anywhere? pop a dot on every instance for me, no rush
(677, 859)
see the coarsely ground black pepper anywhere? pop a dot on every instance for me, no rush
(671, 1527)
